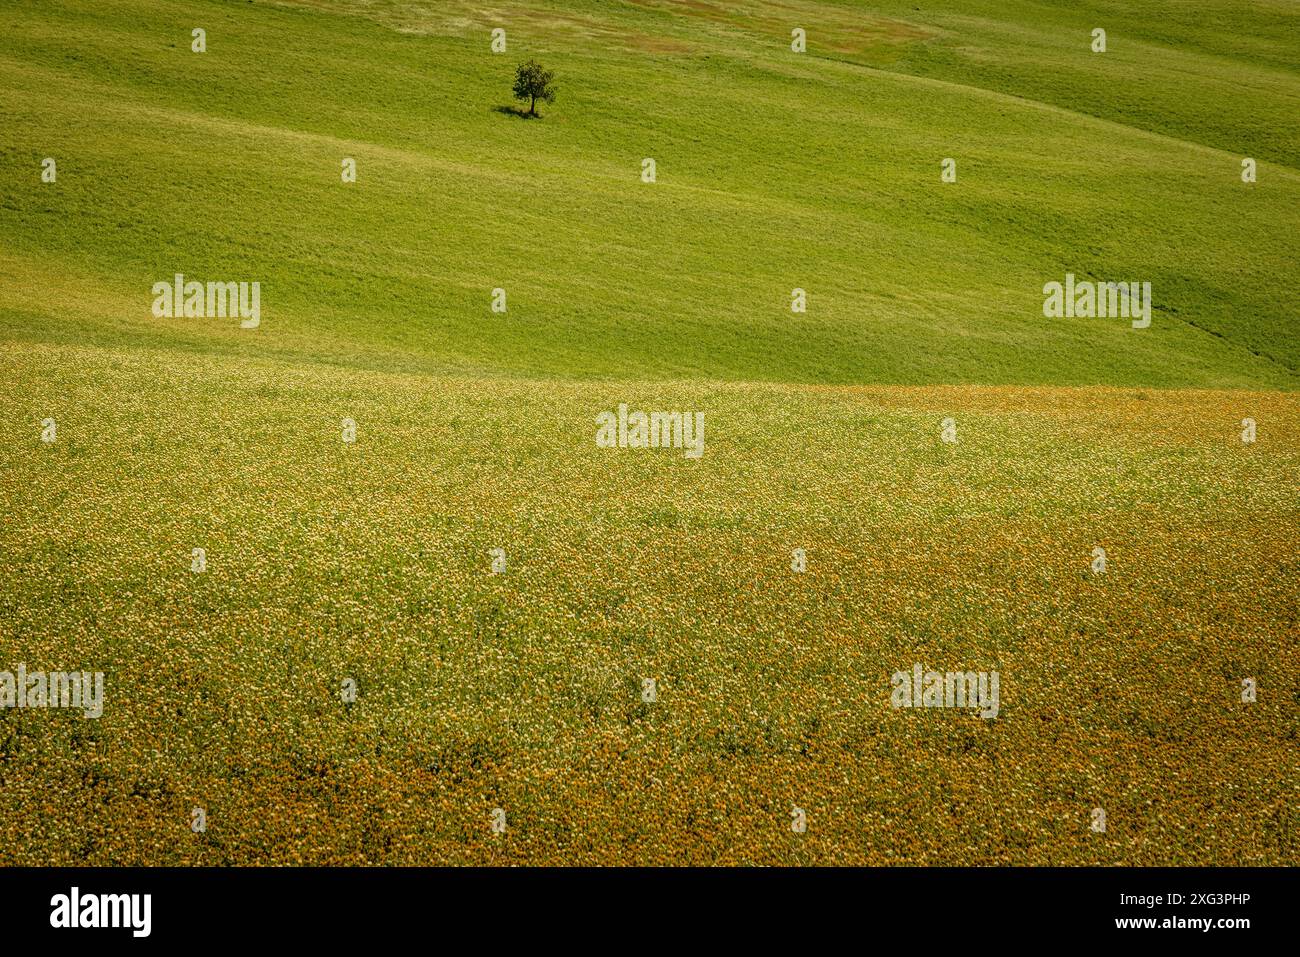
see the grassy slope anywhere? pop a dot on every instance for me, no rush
(776, 171)
(521, 690)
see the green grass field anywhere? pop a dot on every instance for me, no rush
(369, 561)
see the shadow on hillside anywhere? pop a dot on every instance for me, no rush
(516, 111)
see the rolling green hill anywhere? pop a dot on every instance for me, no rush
(775, 170)
(236, 525)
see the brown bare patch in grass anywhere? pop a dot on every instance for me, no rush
(461, 18)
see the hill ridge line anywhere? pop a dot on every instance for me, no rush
(1291, 172)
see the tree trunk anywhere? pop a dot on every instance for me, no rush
(532, 107)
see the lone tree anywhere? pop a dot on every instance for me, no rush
(533, 83)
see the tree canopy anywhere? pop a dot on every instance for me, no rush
(534, 82)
